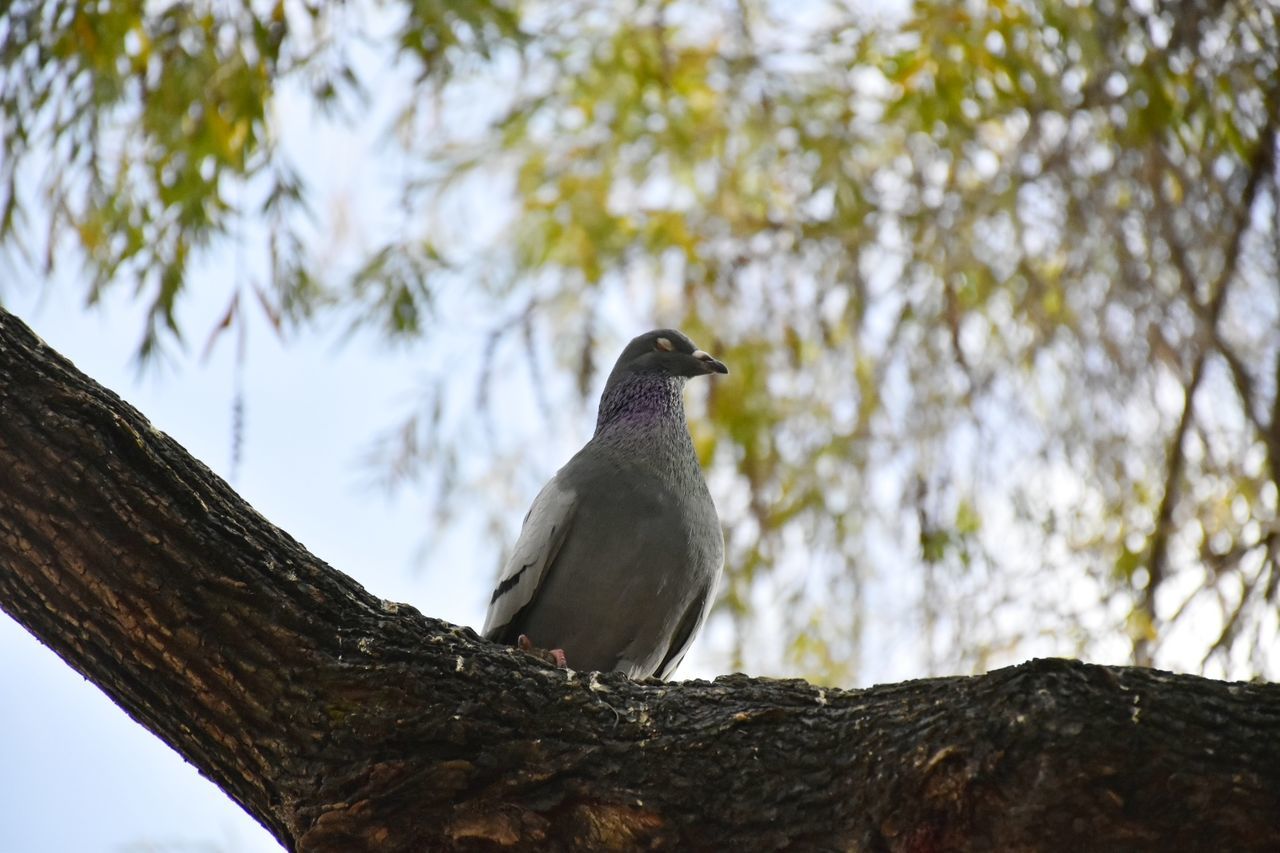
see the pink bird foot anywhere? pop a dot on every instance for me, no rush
(555, 657)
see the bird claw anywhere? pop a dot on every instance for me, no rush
(555, 657)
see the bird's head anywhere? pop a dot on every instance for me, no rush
(665, 352)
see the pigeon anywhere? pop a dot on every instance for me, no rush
(617, 562)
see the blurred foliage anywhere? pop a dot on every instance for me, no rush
(151, 128)
(997, 280)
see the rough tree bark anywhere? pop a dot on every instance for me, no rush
(344, 722)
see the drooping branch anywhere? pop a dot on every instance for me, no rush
(343, 722)
(1208, 314)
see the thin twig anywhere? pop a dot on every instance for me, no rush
(1262, 163)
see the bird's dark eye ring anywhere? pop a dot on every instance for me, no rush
(664, 344)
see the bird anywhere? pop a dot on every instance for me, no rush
(618, 558)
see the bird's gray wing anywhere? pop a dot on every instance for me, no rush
(544, 531)
(685, 631)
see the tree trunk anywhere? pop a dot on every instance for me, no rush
(343, 722)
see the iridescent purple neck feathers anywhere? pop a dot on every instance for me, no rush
(641, 401)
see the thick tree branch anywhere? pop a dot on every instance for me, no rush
(343, 722)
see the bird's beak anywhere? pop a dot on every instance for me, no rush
(711, 364)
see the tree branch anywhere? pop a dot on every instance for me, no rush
(346, 723)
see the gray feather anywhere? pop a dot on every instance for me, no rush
(545, 527)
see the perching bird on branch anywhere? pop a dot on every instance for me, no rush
(617, 563)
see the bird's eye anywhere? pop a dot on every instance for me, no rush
(664, 344)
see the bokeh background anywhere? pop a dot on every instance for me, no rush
(999, 285)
